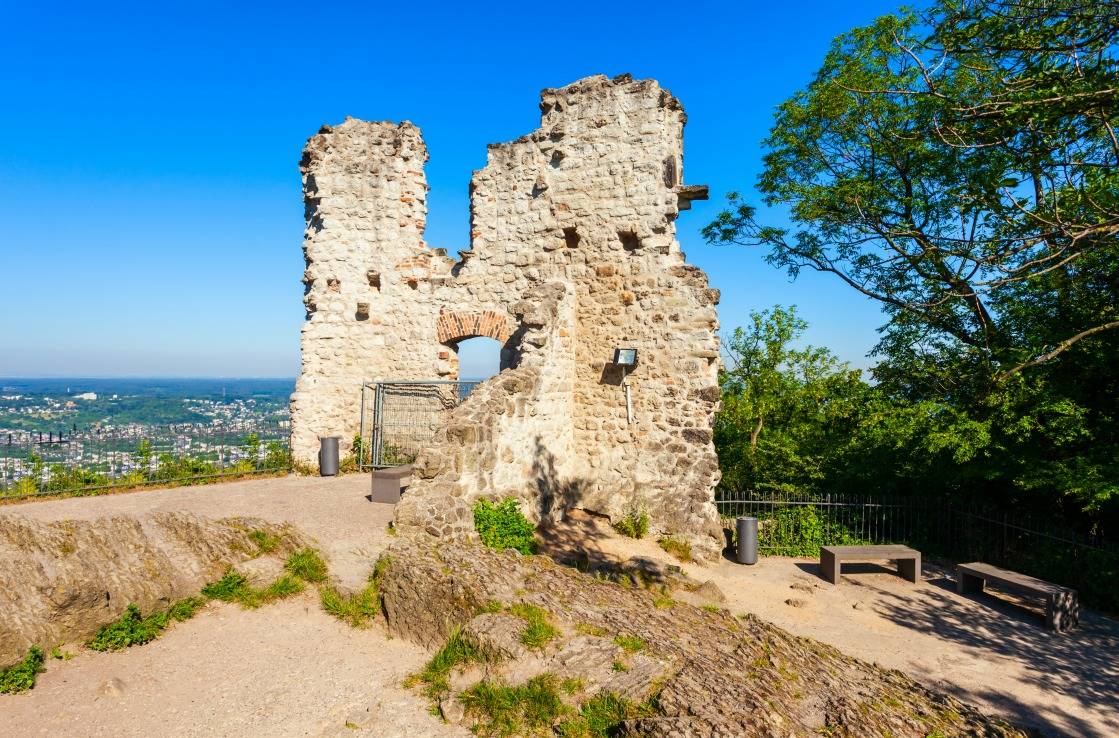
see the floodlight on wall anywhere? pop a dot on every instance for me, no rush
(626, 358)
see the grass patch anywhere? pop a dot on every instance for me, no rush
(619, 665)
(130, 629)
(539, 630)
(591, 630)
(601, 716)
(307, 565)
(361, 607)
(227, 588)
(681, 550)
(503, 525)
(358, 609)
(527, 709)
(185, 609)
(629, 643)
(234, 587)
(20, 677)
(663, 602)
(436, 674)
(265, 542)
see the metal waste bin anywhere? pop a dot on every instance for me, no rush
(328, 456)
(747, 529)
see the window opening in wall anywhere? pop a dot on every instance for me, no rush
(478, 358)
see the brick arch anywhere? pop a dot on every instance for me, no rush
(455, 326)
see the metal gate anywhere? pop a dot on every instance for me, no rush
(399, 419)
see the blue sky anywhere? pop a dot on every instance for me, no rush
(149, 184)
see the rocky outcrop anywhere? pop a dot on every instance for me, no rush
(61, 580)
(712, 674)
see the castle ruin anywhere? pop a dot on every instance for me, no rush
(573, 254)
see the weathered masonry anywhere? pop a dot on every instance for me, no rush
(573, 254)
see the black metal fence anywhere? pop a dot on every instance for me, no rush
(86, 461)
(399, 419)
(1051, 549)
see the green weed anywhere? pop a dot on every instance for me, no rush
(20, 677)
(634, 523)
(131, 629)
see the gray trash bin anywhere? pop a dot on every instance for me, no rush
(747, 529)
(328, 456)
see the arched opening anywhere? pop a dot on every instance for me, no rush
(478, 358)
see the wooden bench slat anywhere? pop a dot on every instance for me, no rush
(1062, 606)
(1013, 578)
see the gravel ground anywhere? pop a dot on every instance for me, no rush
(290, 670)
(991, 651)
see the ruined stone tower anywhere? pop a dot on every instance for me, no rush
(573, 254)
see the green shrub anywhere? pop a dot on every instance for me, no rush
(20, 677)
(527, 709)
(538, 631)
(634, 523)
(131, 629)
(503, 526)
(307, 565)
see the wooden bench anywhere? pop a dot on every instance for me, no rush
(831, 557)
(1062, 605)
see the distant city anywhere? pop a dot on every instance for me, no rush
(79, 433)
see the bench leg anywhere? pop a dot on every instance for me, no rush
(910, 569)
(1062, 611)
(968, 583)
(829, 566)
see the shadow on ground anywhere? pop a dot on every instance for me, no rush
(1082, 664)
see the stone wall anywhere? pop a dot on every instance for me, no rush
(573, 254)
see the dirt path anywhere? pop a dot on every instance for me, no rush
(287, 669)
(992, 652)
(350, 530)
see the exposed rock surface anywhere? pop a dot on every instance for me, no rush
(712, 674)
(61, 580)
(573, 253)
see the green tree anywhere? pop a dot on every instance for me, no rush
(961, 166)
(952, 173)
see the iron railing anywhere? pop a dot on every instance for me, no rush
(400, 418)
(1048, 548)
(84, 461)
